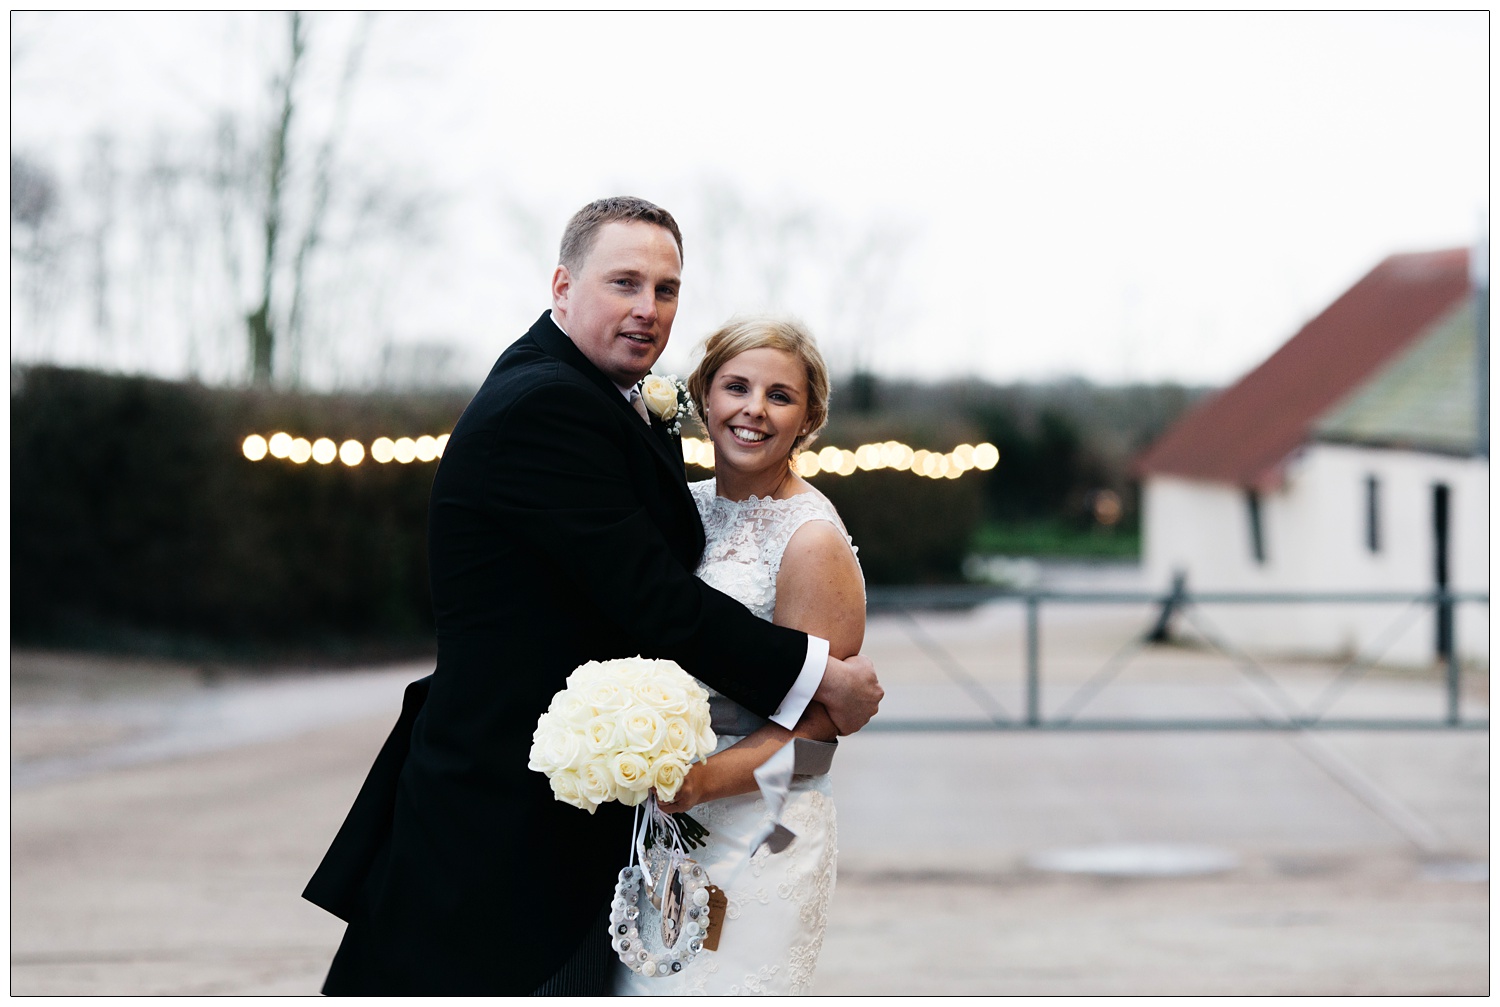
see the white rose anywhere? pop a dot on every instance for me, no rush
(645, 731)
(631, 772)
(585, 674)
(604, 734)
(630, 798)
(568, 708)
(707, 740)
(607, 696)
(664, 695)
(629, 671)
(682, 740)
(565, 786)
(661, 397)
(595, 782)
(668, 773)
(674, 671)
(555, 746)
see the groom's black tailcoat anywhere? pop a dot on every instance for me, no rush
(560, 531)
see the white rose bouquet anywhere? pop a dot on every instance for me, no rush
(620, 729)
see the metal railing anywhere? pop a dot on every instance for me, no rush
(1279, 712)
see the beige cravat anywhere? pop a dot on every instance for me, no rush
(640, 405)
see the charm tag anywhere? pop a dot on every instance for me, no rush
(718, 903)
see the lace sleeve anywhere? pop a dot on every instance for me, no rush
(804, 508)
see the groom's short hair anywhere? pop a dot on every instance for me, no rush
(579, 236)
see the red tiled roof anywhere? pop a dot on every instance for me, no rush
(1245, 433)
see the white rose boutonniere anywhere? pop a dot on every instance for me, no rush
(666, 397)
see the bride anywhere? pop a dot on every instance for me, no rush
(777, 545)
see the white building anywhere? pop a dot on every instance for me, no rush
(1355, 458)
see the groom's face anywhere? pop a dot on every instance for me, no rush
(618, 305)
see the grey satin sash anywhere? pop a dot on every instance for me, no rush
(799, 757)
(728, 717)
(810, 758)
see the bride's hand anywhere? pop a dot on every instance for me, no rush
(686, 799)
(689, 795)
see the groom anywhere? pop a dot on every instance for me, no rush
(561, 531)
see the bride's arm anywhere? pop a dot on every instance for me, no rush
(819, 591)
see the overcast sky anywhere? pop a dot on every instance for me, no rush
(1117, 196)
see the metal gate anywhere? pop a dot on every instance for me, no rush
(1279, 712)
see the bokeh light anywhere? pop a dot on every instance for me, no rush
(696, 452)
(1108, 507)
(830, 460)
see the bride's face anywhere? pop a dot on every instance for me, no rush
(756, 409)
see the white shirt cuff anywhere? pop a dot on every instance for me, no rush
(801, 692)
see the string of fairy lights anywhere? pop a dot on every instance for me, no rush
(893, 455)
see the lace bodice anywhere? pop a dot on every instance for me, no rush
(746, 540)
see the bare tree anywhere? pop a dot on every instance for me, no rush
(322, 184)
(286, 257)
(36, 245)
(261, 327)
(101, 183)
(234, 251)
(33, 198)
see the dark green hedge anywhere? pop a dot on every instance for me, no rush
(135, 518)
(909, 530)
(137, 522)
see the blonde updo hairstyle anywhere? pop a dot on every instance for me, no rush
(755, 333)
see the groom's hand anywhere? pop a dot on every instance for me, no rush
(850, 692)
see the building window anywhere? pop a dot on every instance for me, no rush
(1257, 533)
(1372, 513)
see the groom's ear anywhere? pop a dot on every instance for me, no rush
(562, 283)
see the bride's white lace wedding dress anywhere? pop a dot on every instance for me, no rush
(778, 902)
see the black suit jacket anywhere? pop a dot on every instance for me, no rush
(560, 531)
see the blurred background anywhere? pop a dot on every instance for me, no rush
(1137, 305)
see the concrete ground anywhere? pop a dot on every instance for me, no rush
(165, 817)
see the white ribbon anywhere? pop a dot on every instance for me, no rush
(668, 834)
